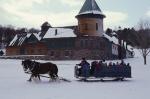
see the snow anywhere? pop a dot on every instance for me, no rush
(61, 32)
(13, 84)
(37, 35)
(113, 38)
(93, 12)
(23, 38)
(13, 41)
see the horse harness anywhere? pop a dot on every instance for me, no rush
(35, 66)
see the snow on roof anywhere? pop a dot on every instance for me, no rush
(93, 12)
(114, 33)
(21, 39)
(90, 6)
(113, 38)
(59, 33)
(13, 41)
(28, 35)
(37, 35)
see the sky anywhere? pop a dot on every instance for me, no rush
(32, 13)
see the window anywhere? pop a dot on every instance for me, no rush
(96, 26)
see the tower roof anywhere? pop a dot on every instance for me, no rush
(90, 7)
(46, 24)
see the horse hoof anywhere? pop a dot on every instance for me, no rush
(29, 80)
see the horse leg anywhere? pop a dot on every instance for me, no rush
(31, 77)
(39, 77)
(56, 75)
(52, 77)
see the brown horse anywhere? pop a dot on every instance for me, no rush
(36, 68)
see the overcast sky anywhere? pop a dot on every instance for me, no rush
(32, 13)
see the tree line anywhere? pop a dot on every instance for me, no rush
(7, 33)
(138, 37)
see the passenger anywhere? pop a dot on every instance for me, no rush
(105, 64)
(128, 64)
(103, 60)
(98, 68)
(93, 66)
(117, 64)
(122, 63)
(80, 64)
(110, 64)
(101, 63)
(85, 68)
(114, 65)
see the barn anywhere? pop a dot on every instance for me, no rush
(87, 39)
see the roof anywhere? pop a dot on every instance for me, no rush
(59, 33)
(90, 6)
(37, 35)
(19, 40)
(46, 24)
(112, 39)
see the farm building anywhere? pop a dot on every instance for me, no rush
(87, 39)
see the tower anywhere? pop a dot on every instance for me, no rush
(90, 19)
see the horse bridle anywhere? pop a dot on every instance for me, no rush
(27, 66)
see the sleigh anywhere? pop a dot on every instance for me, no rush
(113, 72)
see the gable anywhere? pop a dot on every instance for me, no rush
(32, 39)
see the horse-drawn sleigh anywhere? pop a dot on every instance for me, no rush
(82, 71)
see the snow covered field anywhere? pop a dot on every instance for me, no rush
(14, 85)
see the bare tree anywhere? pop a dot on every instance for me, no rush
(142, 37)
